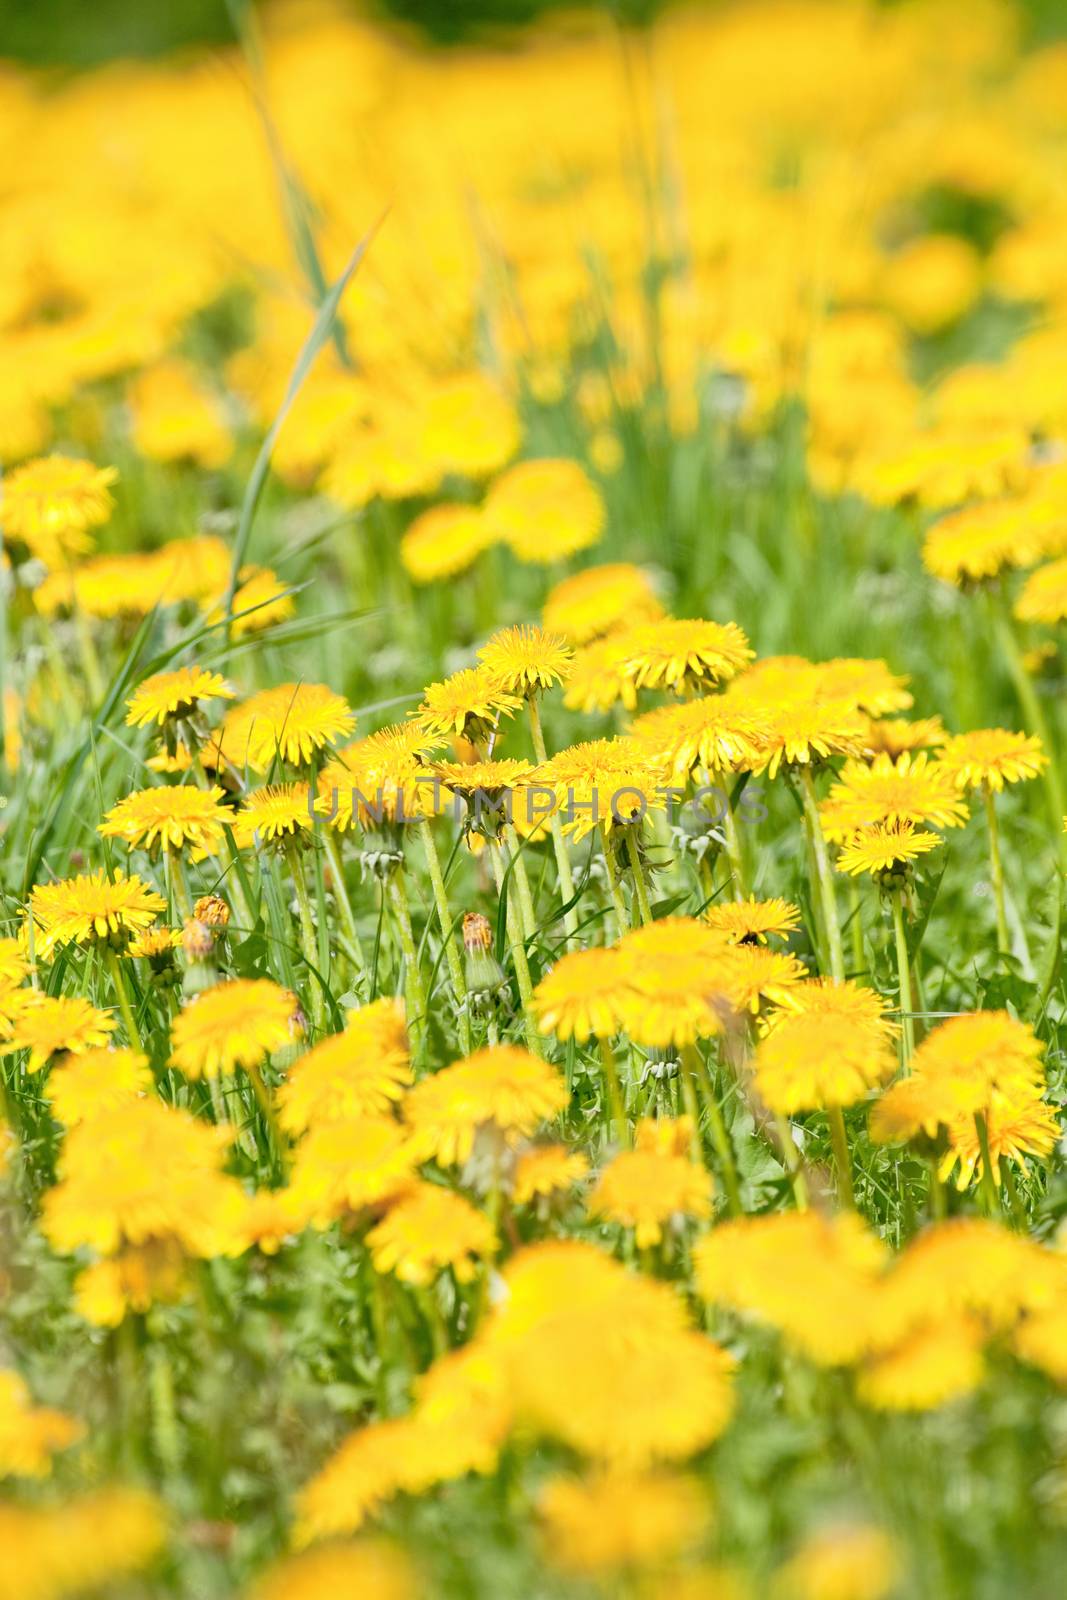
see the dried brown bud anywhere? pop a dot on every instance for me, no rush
(212, 911)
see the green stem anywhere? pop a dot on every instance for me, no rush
(907, 1005)
(990, 1191)
(622, 917)
(1033, 715)
(791, 1157)
(270, 1117)
(734, 853)
(559, 843)
(122, 995)
(613, 1087)
(444, 920)
(517, 946)
(996, 869)
(824, 873)
(855, 927)
(522, 881)
(340, 892)
(309, 939)
(644, 905)
(414, 992)
(694, 1064)
(180, 885)
(842, 1158)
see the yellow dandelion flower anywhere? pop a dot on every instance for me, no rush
(545, 510)
(260, 601)
(469, 703)
(47, 1024)
(911, 789)
(525, 660)
(677, 654)
(503, 1088)
(545, 1170)
(275, 813)
(1017, 1125)
(136, 1279)
(891, 736)
(822, 997)
(1041, 1340)
(348, 1166)
(752, 976)
(85, 1085)
(867, 685)
(708, 735)
(234, 1024)
(30, 1435)
(427, 1230)
(377, 778)
(981, 541)
(92, 908)
(52, 504)
(580, 996)
(155, 944)
(886, 849)
(291, 722)
(752, 921)
(370, 1568)
(647, 1189)
(935, 1364)
(807, 1062)
(991, 757)
(800, 732)
(843, 1563)
(608, 783)
(174, 695)
(1043, 597)
(143, 1171)
(360, 1072)
(600, 600)
(605, 1361)
(596, 681)
(811, 1277)
(95, 1541)
(675, 982)
(619, 1520)
(444, 541)
(968, 1264)
(468, 427)
(169, 818)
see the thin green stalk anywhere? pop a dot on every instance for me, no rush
(1033, 715)
(415, 993)
(559, 843)
(517, 946)
(522, 881)
(622, 916)
(340, 891)
(693, 1063)
(824, 873)
(938, 1196)
(444, 920)
(791, 1157)
(842, 1158)
(270, 1117)
(734, 852)
(308, 936)
(855, 927)
(996, 869)
(907, 1005)
(613, 1087)
(180, 885)
(644, 905)
(990, 1189)
(122, 995)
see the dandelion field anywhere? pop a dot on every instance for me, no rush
(533, 828)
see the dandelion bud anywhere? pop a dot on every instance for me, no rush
(198, 941)
(485, 975)
(212, 911)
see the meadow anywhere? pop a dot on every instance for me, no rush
(532, 820)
